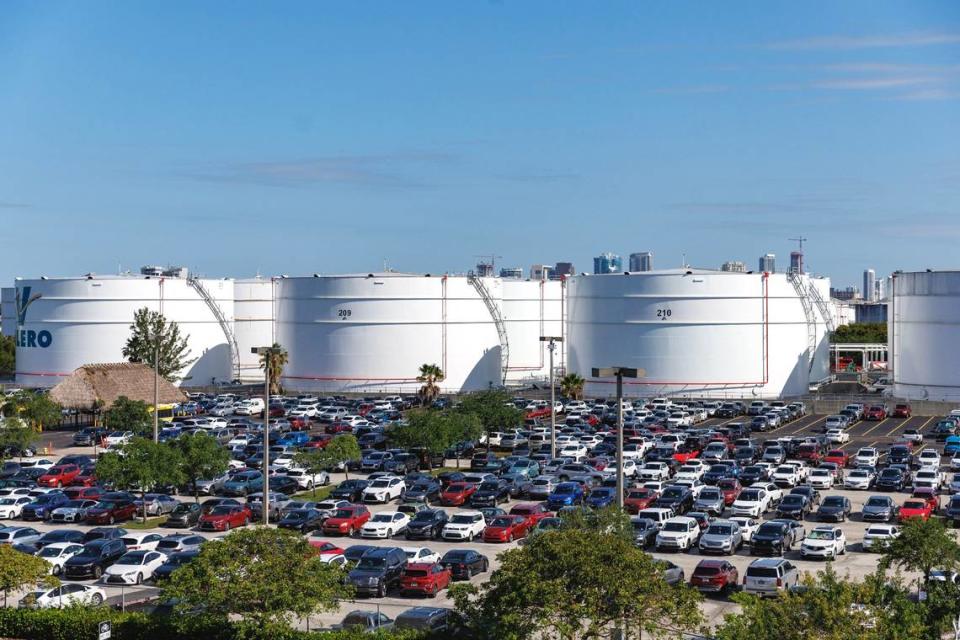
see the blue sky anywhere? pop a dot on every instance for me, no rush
(327, 137)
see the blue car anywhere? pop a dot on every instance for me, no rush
(43, 506)
(294, 439)
(952, 445)
(565, 494)
(602, 497)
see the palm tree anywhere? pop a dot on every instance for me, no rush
(277, 360)
(430, 375)
(571, 386)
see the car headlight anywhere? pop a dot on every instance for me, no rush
(373, 580)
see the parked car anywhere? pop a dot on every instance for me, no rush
(186, 514)
(770, 577)
(346, 520)
(378, 570)
(465, 563)
(714, 576)
(775, 537)
(65, 595)
(94, 559)
(825, 542)
(425, 578)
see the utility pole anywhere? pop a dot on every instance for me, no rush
(620, 373)
(156, 369)
(551, 346)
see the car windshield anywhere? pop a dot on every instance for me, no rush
(343, 513)
(770, 528)
(833, 501)
(424, 516)
(134, 557)
(793, 499)
(501, 522)
(221, 511)
(296, 514)
(818, 534)
(877, 502)
(750, 496)
(489, 486)
(50, 552)
(720, 530)
(673, 492)
(371, 563)
(675, 526)
(382, 517)
(463, 519)
(878, 531)
(380, 483)
(914, 504)
(711, 494)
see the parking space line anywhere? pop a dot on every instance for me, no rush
(897, 426)
(873, 428)
(924, 425)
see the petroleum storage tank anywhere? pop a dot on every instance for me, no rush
(253, 323)
(698, 332)
(372, 332)
(532, 308)
(923, 332)
(8, 311)
(69, 322)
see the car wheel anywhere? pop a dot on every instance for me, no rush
(57, 570)
(96, 599)
(112, 520)
(433, 591)
(510, 538)
(97, 572)
(382, 590)
(139, 578)
(226, 527)
(389, 533)
(485, 566)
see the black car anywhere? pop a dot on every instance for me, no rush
(434, 621)
(794, 506)
(679, 499)
(108, 533)
(378, 570)
(644, 532)
(351, 490)
(752, 474)
(174, 562)
(427, 524)
(774, 537)
(834, 508)
(423, 490)
(60, 535)
(745, 455)
(185, 514)
(716, 473)
(890, 479)
(302, 520)
(284, 484)
(402, 463)
(490, 493)
(94, 559)
(952, 510)
(812, 494)
(449, 477)
(464, 563)
(353, 553)
(899, 454)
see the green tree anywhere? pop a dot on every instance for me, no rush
(870, 332)
(571, 386)
(8, 356)
(276, 362)
(264, 575)
(575, 582)
(923, 545)
(142, 466)
(133, 415)
(36, 409)
(201, 458)
(435, 431)
(18, 570)
(343, 448)
(314, 461)
(152, 339)
(15, 436)
(493, 408)
(430, 375)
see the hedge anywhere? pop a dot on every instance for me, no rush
(81, 623)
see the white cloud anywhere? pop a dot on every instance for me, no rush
(848, 42)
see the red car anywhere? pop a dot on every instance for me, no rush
(339, 427)
(599, 463)
(83, 493)
(731, 489)
(86, 478)
(876, 412)
(916, 508)
(714, 575)
(902, 411)
(638, 499)
(506, 529)
(534, 512)
(59, 476)
(318, 441)
(225, 517)
(111, 511)
(685, 455)
(300, 423)
(838, 457)
(346, 520)
(325, 547)
(457, 493)
(424, 577)
(928, 494)
(810, 453)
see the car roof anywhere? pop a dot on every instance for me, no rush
(767, 562)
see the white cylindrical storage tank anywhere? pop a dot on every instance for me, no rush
(8, 311)
(694, 332)
(372, 332)
(532, 308)
(923, 332)
(253, 323)
(70, 322)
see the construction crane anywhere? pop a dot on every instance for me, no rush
(800, 240)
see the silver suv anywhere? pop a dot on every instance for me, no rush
(770, 576)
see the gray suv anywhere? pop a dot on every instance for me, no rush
(770, 577)
(722, 536)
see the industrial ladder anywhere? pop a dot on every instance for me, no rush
(802, 293)
(823, 309)
(224, 324)
(497, 321)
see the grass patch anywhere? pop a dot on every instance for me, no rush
(151, 523)
(322, 493)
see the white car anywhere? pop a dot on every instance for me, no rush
(695, 486)
(654, 471)
(867, 456)
(752, 502)
(955, 462)
(929, 477)
(629, 469)
(10, 507)
(678, 533)
(39, 463)
(141, 540)
(825, 541)
(690, 472)
(421, 554)
(786, 475)
(385, 524)
(64, 596)
(820, 478)
(747, 526)
(859, 479)
(57, 553)
(134, 567)
(929, 458)
(384, 490)
(836, 422)
(576, 451)
(8, 492)
(307, 480)
(837, 436)
(879, 535)
(118, 438)
(464, 525)
(281, 462)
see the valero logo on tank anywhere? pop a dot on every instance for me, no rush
(28, 338)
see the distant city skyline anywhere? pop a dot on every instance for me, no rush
(356, 135)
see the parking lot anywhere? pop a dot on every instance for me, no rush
(856, 563)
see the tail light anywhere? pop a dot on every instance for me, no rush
(744, 579)
(779, 582)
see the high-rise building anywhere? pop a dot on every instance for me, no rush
(562, 270)
(796, 262)
(734, 265)
(642, 261)
(849, 293)
(870, 285)
(540, 271)
(607, 263)
(484, 270)
(768, 263)
(881, 289)
(514, 273)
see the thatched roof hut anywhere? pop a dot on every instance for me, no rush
(104, 383)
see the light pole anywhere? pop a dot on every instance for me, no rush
(267, 354)
(620, 373)
(551, 346)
